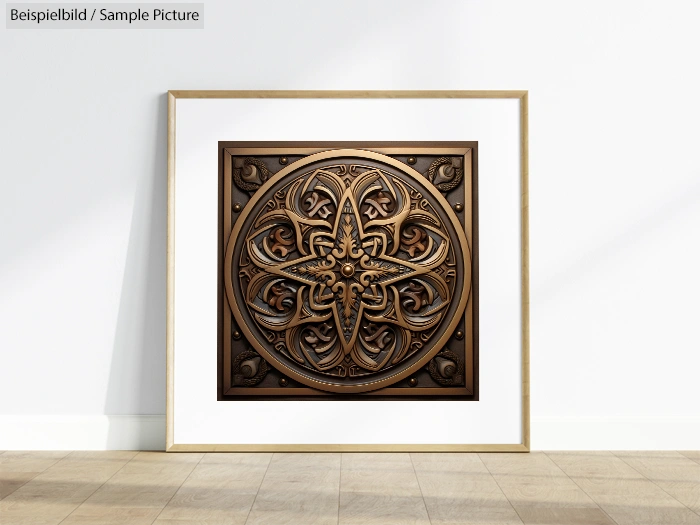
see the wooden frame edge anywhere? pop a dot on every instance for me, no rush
(525, 267)
(347, 94)
(170, 283)
(522, 95)
(301, 447)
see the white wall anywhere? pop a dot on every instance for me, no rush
(615, 198)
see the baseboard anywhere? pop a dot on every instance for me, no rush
(136, 432)
(73, 432)
(615, 433)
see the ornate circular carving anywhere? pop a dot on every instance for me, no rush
(347, 271)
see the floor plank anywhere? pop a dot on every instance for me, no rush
(563, 516)
(623, 493)
(53, 494)
(673, 472)
(219, 491)
(380, 489)
(558, 488)
(19, 467)
(298, 489)
(692, 454)
(106, 515)
(458, 489)
(138, 492)
(533, 480)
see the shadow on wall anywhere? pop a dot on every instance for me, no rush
(136, 382)
(135, 433)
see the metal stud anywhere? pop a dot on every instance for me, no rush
(459, 207)
(411, 160)
(284, 160)
(412, 382)
(237, 207)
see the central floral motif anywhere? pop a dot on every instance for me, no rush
(347, 270)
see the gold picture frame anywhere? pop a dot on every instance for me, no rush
(524, 446)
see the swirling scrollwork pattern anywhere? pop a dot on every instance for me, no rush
(348, 271)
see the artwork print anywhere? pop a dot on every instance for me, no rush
(348, 271)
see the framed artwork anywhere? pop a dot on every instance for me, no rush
(327, 283)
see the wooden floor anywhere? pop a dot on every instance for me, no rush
(576, 488)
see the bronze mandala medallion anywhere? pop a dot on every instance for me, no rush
(347, 270)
